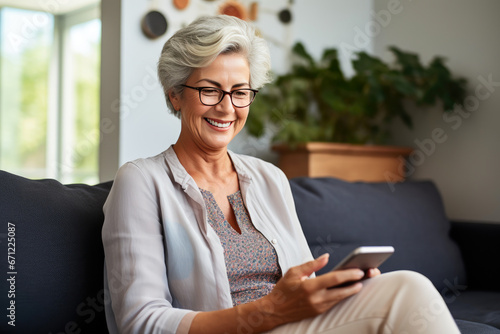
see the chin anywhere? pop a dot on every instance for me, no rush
(217, 144)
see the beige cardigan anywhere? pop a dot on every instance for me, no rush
(163, 260)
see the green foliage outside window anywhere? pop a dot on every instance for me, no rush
(36, 107)
(24, 69)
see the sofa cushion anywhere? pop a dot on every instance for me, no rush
(58, 255)
(469, 327)
(477, 306)
(338, 216)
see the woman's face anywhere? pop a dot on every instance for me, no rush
(213, 127)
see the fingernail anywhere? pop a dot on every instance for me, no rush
(324, 255)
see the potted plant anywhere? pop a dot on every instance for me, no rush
(315, 104)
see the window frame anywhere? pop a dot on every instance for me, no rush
(65, 121)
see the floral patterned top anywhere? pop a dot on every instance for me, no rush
(251, 261)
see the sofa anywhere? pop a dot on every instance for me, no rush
(52, 262)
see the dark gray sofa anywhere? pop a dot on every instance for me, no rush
(58, 260)
(460, 258)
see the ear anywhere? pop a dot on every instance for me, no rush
(174, 99)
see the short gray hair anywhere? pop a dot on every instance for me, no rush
(198, 44)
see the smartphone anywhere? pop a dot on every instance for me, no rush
(365, 257)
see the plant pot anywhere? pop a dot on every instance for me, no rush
(344, 161)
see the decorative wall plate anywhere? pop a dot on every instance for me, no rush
(154, 24)
(181, 4)
(233, 8)
(285, 16)
(254, 9)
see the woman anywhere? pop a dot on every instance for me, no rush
(201, 240)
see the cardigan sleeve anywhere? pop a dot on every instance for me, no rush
(135, 258)
(301, 239)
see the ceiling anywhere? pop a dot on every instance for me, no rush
(51, 6)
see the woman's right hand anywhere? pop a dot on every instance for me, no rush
(296, 296)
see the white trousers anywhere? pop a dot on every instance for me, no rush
(400, 302)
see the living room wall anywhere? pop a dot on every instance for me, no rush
(465, 161)
(138, 124)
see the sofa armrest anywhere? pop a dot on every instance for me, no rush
(480, 247)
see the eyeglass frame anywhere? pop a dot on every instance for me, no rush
(224, 93)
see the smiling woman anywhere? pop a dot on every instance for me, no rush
(249, 266)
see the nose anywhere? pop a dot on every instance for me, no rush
(226, 105)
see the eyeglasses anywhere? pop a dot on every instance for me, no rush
(211, 96)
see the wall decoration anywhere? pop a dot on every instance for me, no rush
(181, 4)
(233, 8)
(254, 9)
(285, 16)
(154, 24)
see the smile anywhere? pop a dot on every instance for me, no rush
(217, 124)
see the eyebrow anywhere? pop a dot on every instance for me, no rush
(215, 83)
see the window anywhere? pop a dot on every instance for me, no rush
(49, 94)
(24, 77)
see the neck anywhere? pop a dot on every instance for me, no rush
(203, 164)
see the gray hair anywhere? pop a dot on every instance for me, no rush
(198, 44)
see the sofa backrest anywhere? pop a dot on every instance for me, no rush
(338, 216)
(58, 255)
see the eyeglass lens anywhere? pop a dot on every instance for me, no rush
(239, 97)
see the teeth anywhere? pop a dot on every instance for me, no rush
(217, 124)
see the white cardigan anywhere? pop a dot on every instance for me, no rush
(163, 260)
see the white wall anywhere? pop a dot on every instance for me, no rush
(465, 160)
